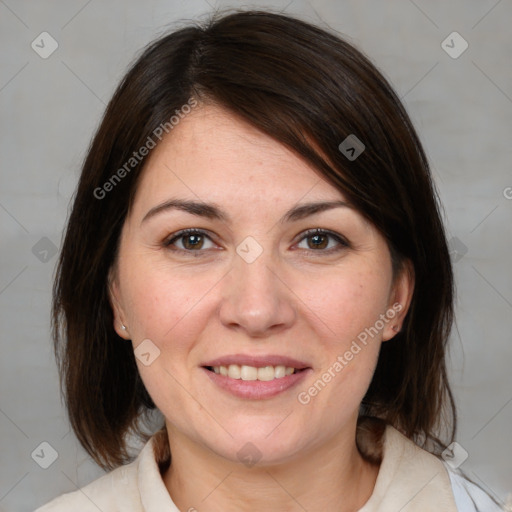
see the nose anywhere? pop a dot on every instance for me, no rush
(256, 300)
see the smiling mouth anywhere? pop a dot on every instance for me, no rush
(251, 373)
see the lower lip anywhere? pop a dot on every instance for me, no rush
(257, 389)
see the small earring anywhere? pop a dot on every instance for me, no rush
(123, 327)
(395, 328)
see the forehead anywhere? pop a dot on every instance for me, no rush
(213, 154)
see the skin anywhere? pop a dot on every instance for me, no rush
(296, 299)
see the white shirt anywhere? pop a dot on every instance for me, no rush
(469, 497)
(410, 480)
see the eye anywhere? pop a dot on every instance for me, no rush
(321, 240)
(189, 240)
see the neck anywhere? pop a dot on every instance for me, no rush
(333, 476)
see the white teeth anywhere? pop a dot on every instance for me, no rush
(279, 372)
(234, 371)
(244, 372)
(266, 373)
(248, 373)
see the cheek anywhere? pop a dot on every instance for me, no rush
(170, 308)
(347, 303)
(165, 305)
(347, 307)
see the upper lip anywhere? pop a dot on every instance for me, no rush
(257, 361)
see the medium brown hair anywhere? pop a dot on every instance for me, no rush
(308, 89)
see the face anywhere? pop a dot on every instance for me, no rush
(260, 283)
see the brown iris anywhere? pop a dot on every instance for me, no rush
(193, 241)
(319, 241)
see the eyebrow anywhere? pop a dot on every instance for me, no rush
(211, 211)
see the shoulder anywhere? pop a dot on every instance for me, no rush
(406, 467)
(113, 492)
(109, 493)
(468, 496)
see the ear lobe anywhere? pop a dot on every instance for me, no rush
(400, 300)
(117, 310)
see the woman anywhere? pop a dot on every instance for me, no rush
(255, 249)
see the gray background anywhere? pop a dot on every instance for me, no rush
(50, 107)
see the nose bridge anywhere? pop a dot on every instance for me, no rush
(255, 299)
(256, 279)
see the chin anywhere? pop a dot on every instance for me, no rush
(265, 445)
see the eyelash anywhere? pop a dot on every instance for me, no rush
(342, 243)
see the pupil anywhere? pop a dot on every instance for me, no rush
(319, 241)
(193, 241)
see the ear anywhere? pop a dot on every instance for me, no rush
(118, 313)
(399, 300)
